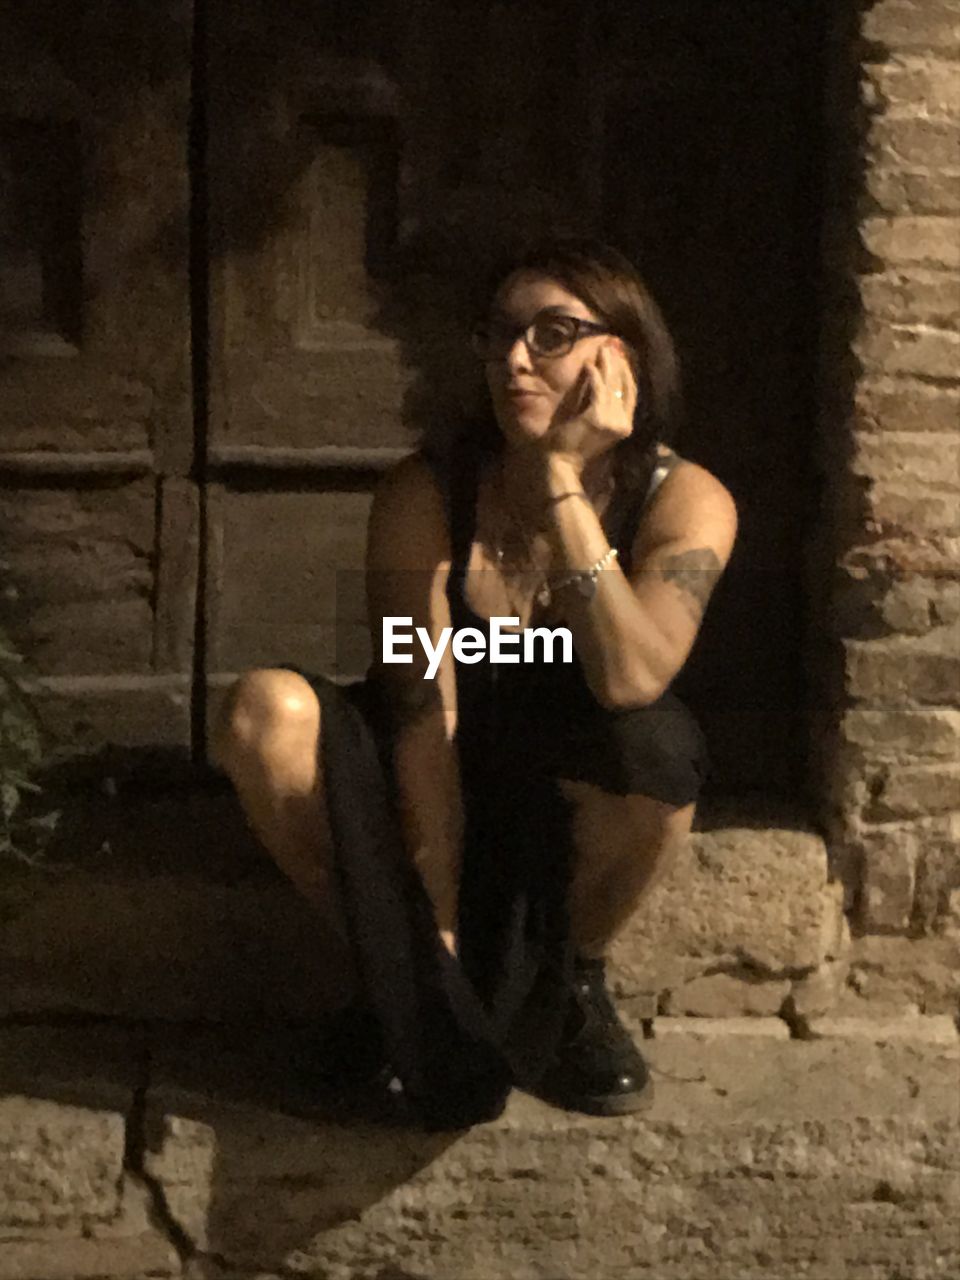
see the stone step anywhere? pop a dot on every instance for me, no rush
(167, 908)
(185, 1151)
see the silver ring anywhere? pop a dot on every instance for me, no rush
(618, 394)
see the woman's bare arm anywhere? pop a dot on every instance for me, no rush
(637, 631)
(408, 561)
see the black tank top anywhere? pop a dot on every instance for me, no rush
(503, 708)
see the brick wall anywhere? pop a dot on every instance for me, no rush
(885, 653)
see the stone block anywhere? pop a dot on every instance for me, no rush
(920, 971)
(906, 669)
(916, 605)
(64, 1098)
(918, 194)
(908, 607)
(913, 350)
(866, 606)
(57, 1162)
(884, 405)
(80, 1259)
(904, 734)
(926, 297)
(938, 1029)
(723, 1028)
(930, 240)
(920, 789)
(738, 895)
(889, 878)
(84, 713)
(908, 82)
(938, 878)
(950, 921)
(902, 511)
(754, 1143)
(127, 1245)
(897, 456)
(914, 142)
(902, 26)
(898, 554)
(722, 995)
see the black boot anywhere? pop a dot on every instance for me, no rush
(597, 1068)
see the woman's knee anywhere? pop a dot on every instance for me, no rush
(264, 711)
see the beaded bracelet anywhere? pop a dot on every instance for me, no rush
(586, 579)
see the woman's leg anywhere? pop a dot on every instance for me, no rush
(267, 740)
(623, 845)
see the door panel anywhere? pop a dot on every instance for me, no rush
(303, 184)
(285, 580)
(96, 431)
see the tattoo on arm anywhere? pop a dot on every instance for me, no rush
(695, 573)
(411, 700)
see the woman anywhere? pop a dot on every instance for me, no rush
(477, 839)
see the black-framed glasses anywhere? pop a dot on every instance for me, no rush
(548, 334)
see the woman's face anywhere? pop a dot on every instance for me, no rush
(531, 391)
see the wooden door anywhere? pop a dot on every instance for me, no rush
(240, 245)
(98, 500)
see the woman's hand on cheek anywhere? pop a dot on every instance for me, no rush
(602, 407)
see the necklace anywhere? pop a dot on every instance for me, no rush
(513, 531)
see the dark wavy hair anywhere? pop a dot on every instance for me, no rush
(608, 283)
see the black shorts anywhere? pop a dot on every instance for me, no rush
(658, 750)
